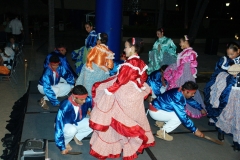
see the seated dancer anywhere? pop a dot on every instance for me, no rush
(49, 85)
(157, 82)
(169, 109)
(117, 63)
(60, 51)
(118, 117)
(71, 120)
(99, 62)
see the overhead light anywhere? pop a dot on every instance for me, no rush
(207, 17)
(236, 36)
(231, 18)
(227, 4)
(176, 5)
(227, 13)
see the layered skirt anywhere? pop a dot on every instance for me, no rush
(119, 121)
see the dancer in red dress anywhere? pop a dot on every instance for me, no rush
(118, 116)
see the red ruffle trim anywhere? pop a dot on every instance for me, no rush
(135, 131)
(100, 157)
(134, 156)
(95, 85)
(98, 127)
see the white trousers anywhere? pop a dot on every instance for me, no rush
(60, 90)
(170, 118)
(80, 131)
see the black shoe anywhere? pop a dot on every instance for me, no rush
(221, 135)
(211, 124)
(236, 146)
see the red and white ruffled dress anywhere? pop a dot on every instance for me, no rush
(118, 117)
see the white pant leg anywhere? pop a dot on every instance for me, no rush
(170, 118)
(69, 131)
(62, 80)
(62, 89)
(40, 89)
(83, 129)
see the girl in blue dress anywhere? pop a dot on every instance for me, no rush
(221, 96)
(80, 55)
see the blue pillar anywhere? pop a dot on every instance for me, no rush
(109, 20)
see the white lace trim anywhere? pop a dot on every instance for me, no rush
(110, 54)
(107, 92)
(133, 67)
(133, 56)
(224, 62)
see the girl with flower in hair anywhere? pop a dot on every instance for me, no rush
(99, 62)
(221, 95)
(185, 69)
(80, 55)
(118, 116)
(163, 52)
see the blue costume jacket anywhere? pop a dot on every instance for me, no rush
(63, 60)
(222, 66)
(47, 80)
(66, 114)
(174, 101)
(155, 82)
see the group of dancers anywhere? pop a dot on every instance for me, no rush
(106, 96)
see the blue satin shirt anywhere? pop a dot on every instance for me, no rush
(174, 101)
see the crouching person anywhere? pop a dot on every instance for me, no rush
(169, 110)
(49, 84)
(71, 120)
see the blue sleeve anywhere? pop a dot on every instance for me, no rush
(68, 76)
(179, 108)
(59, 135)
(75, 54)
(194, 104)
(155, 82)
(48, 89)
(223, 64)
(91, 40)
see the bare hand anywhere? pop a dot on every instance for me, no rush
(203, 112)
(199, 134)
(64, 151)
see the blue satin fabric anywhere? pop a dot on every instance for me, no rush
(222, 65)
(116, 64)
(174, 101)
(63, 60)
(66, 114)
(47, 81)
(155, 82)
(194, 104)
(80, 55)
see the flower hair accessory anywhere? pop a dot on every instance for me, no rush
(99, 37)
(186, 37)
(133, 41)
